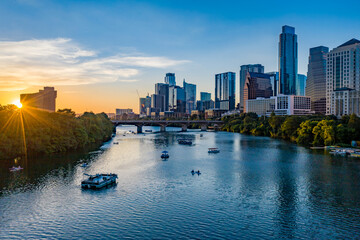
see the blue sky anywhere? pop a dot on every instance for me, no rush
(146, 39)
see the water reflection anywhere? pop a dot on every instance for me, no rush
(255, 187)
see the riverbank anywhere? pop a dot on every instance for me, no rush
(310, 131)
(34, 132)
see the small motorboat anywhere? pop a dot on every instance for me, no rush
(185, 142)
(99, 181)
(115, 142)
(84, 165)
(148, 131)
(165, 154)
(213, 150)
(15, 169)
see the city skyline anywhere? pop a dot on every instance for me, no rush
(105, 72)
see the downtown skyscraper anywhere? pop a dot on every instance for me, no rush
(316, 79)
(225, 91)
(288, 61)
(244, 69)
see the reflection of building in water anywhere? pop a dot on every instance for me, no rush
(44, 99)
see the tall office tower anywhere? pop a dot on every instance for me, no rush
(170, 79)
(177, 101)
(274, 79)
(225, 91)
(205, 96)
(301, 85)
(144, 104)
(244, 69)
(257, 85)
(44, 99)
(316, 79)
(343, 79)
(163, 90)
(288, 61)
(157, 102)
(190, 96)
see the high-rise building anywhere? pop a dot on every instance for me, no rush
(257, 85)
(288, 61)
(205, 96)
(120, 111)
(225, 91)
(316, 79)
(170, 79)
(244, 69)
(343, 79)
(301, 85)
(157, 102)
(177, 101)
(163, 90)
(274, 79)
(144, 104)
(190, 96)
(45, 99)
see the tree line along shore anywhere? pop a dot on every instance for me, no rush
(33, 132)
(314, 130)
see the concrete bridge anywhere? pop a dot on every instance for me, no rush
(164, 123)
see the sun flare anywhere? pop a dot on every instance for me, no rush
(17, 103)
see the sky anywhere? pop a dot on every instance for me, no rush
(99, 55)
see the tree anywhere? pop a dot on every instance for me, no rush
(290, 126)
(305, 132)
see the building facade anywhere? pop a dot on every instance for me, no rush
(190, 96)
(44, 100)
(225, 91)
(274, 80)
(280, 105)
(177, 101)
(257, 85)
(244, 69)
(301, 84)
(144, 104)
(316, 79)
(163, 90)
(205, 96)
(343, 79)
(288, 61)
(170, 79)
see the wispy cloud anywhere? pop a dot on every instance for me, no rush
(63, 62)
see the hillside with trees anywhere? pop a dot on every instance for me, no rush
(39, 132)
(315, 130)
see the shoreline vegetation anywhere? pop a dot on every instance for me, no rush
(28, 132)
(308, 131)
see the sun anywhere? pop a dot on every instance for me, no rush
(17, 103)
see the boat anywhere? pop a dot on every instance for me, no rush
(201, 135)
(185, 142)
(165, 154)
(148, 131)
(340, 152)
(115, 142)
(15, 169)
(99, 181)
(197, 172)
(213, 150)
(84, 165)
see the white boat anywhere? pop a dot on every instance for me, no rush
(15, 169)
(213, 150)
(99, 181)
(165, 154)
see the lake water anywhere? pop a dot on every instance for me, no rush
(255, 188)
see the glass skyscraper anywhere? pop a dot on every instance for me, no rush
(244, 69)
(163, 90)
(225, 91)
(288, 61)
(205, 96)
(316, 79)
(190, 96)
(301, 85)
(170, 79)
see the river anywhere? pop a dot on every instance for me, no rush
(255, 188)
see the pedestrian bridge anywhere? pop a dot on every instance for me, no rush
(164, 123)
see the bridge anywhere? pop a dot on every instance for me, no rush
(164, 123)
